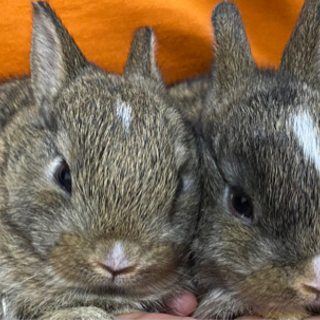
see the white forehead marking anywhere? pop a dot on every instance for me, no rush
(124, 114)
(53, 165)
(116, 259)
(304, 130)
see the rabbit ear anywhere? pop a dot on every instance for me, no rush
(233, 61)
(55, 58)
(301, 56)
(141, 58)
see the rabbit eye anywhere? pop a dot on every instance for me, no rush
(241, 205)
(63, 176)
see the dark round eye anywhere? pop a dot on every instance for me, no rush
(63, 176)
(241, 205)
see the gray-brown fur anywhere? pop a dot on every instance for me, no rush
(261, 134)
(190, 96)
(14, 95)
(134, 178)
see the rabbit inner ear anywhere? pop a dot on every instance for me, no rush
(55, 58)
(301, 55)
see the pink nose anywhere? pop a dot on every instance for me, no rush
(315, 283)
(116, 261)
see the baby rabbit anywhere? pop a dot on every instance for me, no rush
(98, 181)
(258, 243)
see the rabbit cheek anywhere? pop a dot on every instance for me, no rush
(269, 290)
(69, 259)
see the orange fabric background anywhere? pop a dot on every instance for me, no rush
(103, 30)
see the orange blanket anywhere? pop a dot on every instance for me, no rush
(103, 30)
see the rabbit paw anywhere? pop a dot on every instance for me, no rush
(220, 304)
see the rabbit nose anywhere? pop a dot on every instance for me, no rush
(116, 261)
(314, 285)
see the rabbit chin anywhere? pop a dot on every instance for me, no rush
(300, 307)
(284, 314)
(298, 310)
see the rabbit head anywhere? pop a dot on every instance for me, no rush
(258, 241)
(99, 180)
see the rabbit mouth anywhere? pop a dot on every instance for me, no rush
(145, 285)
(142, 290)
(131, 282)
(314, 309)
(108, 271)
(313, 305)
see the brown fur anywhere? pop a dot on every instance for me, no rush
(260, 265)
(190, 96)
(134, 178)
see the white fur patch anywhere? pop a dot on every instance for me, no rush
(124, 114)
(116, 259)
(53, 166)
(316, 269)
(304, 129)
(180, 152)
(226, 196)
(4, 307)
